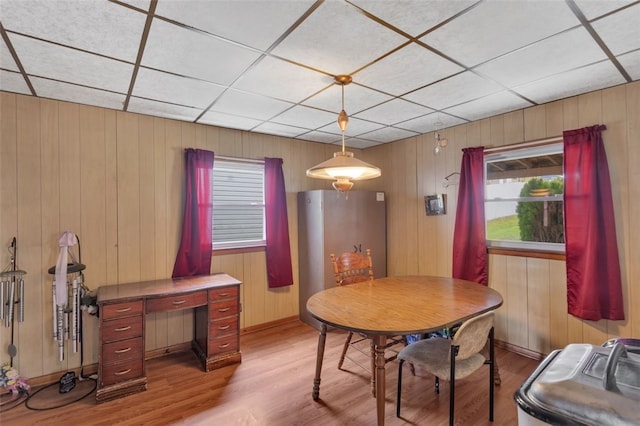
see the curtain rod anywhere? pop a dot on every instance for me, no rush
(240, 159)
(527, 144)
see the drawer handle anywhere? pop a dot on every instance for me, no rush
(122, 373)
(223, 294)
(121, 351)
(223, 309)
(223, 346)
(120, 310)
(178, 302)
(224, 327)
(123, 328)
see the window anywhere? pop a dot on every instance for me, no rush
(238, 203)
(524, 198)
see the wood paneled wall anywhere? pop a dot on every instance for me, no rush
(116, 180)
(534, 315)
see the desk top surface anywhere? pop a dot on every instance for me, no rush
(402, 305)
(163, 287)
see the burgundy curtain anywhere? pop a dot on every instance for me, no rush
(279, 272)
(469, 241)
(594, 285)
(194, 254)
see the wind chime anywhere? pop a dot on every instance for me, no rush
(68, 289)
(12, 295)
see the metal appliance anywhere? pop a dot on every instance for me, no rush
(582, 385)
(334, 222)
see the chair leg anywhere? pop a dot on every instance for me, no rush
(491, 373)
(399, 388)
(437, 385)
(344, 349)
(452, 383)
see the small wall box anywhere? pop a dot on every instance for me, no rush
(435, 204)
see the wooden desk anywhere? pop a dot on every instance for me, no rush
(396, 306)
(215, 300)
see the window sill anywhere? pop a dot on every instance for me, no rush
(240, 250)
(527, 253)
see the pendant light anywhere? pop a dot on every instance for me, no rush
(343, 168)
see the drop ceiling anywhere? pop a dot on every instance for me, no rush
(268, 66)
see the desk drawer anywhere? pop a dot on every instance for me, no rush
(121, 371)
(121, 310)
(123, 350)
(223, 327)
(120, 329)
(223, 309)
(223, 345)
(175, 303)
(223, 293)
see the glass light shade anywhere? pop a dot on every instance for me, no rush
(344, 165)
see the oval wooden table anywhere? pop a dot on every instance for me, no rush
(396, 306)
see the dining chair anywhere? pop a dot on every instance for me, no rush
(350, 268)
(453, 359)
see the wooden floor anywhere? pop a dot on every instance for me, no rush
(273, 385)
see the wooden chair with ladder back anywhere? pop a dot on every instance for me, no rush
(350, 268)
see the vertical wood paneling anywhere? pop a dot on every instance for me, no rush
(50, 172)
(111, 196)
(558, 317)
(633, 158)
(498, 281)
(29, 220)
(517, 329)
(538, 304)
(535, 123)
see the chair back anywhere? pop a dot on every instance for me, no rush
(350, 268)
(472, 335)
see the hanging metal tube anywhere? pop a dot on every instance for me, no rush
(2, 298)
(21, 300)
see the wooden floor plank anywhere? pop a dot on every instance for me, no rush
(272, 386)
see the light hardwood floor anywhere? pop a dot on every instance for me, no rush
(273, 385)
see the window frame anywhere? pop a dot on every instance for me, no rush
(519, 151)
(244, 245)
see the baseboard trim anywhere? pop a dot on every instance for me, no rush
(157, 353)
(270, 324)
(519, 350)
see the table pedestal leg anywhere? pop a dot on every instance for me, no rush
(380, 342)
(322, 338)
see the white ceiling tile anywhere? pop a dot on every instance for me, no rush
(388, 134)
(620, 31)
(550, 56)
(226, 120)
(414, 17)
(343, 39)
(280, 130)
(631, 63)
(393, 112)
(317, 136)
(262, 21)
(65, 64)
(354, 128)
(13, 82)
(282, 80)
(494, 28)
(404, 70)
(303, 116)
(356, 98)
(360, 143)
(249, 105)
(99, 27)
(431, 122)
(171, 88)
(587, 79)
(83, 95)
(593, 8)
(497, 103)
(161, 109)
(460, 88)
(6, 60)
(191, 53)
